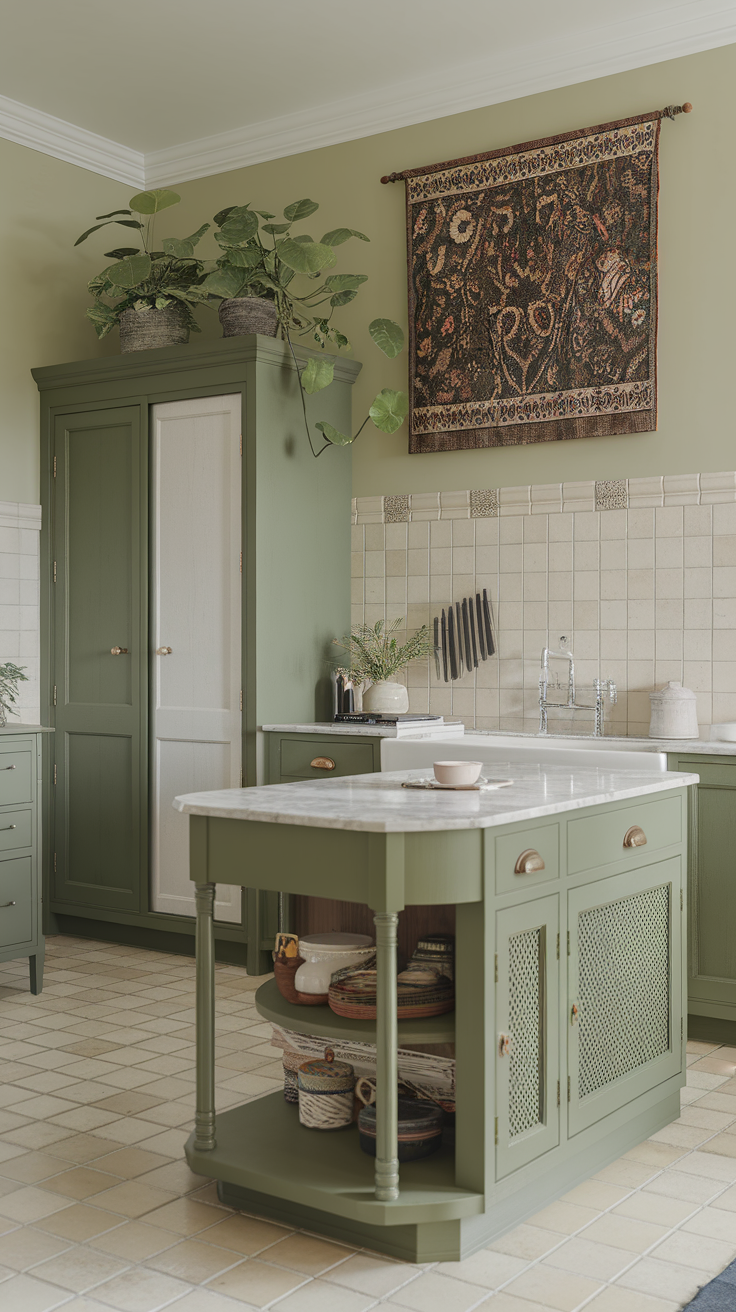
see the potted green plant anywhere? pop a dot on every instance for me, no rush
(375, 657)
(10, 676)
(148, 293)
(255, 282)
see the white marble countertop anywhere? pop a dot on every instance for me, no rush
(378, 804)
(699, 746)
(426, 730)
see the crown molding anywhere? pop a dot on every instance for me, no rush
(581, 56)
(65, 141)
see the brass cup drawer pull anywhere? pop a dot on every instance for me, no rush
(6, 904)
(322, 763)
(118, 651)
(164, 651)
(7, 767)
(528, 862)
(8, 827)
(635, 837)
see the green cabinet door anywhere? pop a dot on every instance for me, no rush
(100, 658)
(624, 1021)
(527, 1005)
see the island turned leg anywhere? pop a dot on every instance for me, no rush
(387, 1074)
(204, 1119)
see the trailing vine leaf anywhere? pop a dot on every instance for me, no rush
(387, 336)
(124, 223)
(222, 215)
(275, 229)
(248, 258)
(306, 257)
(332, 434)
(240, 225)
(342, 282)
(151, 202)
(120, 252)
(338, 235)
(317, 374)
(300, 209)
(389, 410)
(131, 271)
(342, 298)
(183, 249)
(224, 282)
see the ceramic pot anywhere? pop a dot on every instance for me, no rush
(386, 697)
(325, 953)
(674, 712)
(242, 315)
(284, 973)
(144, 330)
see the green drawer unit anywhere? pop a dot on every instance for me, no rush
(21, 822)
(521, 868)
(626, 835)
(298, 756)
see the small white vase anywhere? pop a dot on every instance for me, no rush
(386, 698)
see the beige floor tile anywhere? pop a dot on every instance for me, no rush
(26, 1294)
(83, 1119)
(139, 1290)
(710, 1165)
(689, 1188)
(81, 1148)
(26, 1247)
(664, 1279)
(559, 1289)
(30, 1204)
(194, 1261)
(596, 1194)
(257, 1284)
(715, 1066)
(81, 1182)
(704, 1079)
(32, 1167)
(38, 1135)
(170, 1143)
(184, 1216)
(90, 1048)
(587, 1257)
(716, 1222)
(718, 1102)
(79, 1268)
(723, 1144)
(654, 1154)
(727, 1199)
(130, 1162)
(176, 1178)
(683, 1136)
(626, 1173)
(245, 1234)
(381, 1276)
(204, 1301)
(135, 1241)
(700, 1047)
(565, 1218)
(616, 1299)
(128, 1103)
(80, 1222)
(701, 1116)
(41, 1108)
(635, 1236)
(133, 1199)
(527, 1241)
(321, 1297)
(306, 1253)
(697, 1250)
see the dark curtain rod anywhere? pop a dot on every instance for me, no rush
(669, 111)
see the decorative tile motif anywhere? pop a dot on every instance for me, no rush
(396, 509)
(484, 503)
(611, 494)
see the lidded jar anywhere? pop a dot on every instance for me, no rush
(326, 1093)
(674, 712)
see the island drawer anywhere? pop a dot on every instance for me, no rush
(16, 887)
(16, 777)
(601, 840)
(297, 758)
(518, 858)
(16, 829)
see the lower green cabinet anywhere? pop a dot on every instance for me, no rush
(21, 933)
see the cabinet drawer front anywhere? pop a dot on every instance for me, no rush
(348, 758)
(544, 842)
(16, 830)
(598, 840)
(16, 777)
(16, 887)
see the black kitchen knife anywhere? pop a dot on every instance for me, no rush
(479, 617)
(437, 666)
(472, 639)
(459, 632)
(443, 627)
(488, 623)
(451, 637)
(466, 632)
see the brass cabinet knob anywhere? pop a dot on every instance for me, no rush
(118, 651)
(322, 763)
(528, 862)
(574, 1014)
(163, 651)
(7, 767)
(8, 827)
(635, 837)
(6, 904)
(504, 1045)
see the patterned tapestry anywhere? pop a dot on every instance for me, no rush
(533, 291)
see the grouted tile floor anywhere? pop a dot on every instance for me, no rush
(99, 1211)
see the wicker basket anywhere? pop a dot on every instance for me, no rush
(144, 330)
(242, 315)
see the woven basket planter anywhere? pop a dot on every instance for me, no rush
(144, 330)
(242, 315)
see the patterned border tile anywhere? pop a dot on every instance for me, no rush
(484, 503)
(611, 494)
(396, 509)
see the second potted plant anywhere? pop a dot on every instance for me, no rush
(375, 657)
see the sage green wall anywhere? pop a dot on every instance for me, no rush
(44, 205)
(697, 268)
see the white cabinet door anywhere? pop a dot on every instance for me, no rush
(196, 544)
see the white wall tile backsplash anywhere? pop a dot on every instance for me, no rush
(19, 601)
(644, 595)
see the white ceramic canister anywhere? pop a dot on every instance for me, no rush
(325, 953)
(674, 712)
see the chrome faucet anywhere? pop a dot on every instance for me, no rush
(602, 687)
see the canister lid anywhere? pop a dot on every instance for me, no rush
(326, 1068)
(672, 692)
(336, 942)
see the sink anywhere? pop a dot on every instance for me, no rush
(605, 753)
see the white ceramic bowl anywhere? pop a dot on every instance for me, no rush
(325, 953)
(457, 773)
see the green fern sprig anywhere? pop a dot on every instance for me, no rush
(10, 676)
(375, 654)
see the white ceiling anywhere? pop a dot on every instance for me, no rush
(157, 90)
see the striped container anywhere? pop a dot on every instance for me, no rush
(326, 1093)
(292, 1062)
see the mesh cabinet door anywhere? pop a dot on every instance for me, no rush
(625, 989)
(527, 1064)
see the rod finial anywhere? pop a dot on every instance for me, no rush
(392, 177)
(687, 108)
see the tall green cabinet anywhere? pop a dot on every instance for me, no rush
(95, 601)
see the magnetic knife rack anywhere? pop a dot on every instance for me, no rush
(463, 636)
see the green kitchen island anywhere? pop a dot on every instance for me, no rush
(568, 1029)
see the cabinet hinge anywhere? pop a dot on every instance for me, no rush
(681, 1025)
(54, 775)
(568, 942)
(241, 562)
(568, 1088)
(54, 466)
(54, 571)
(558, 1093)
(242, 778)
(241, 444)
(241, 699)
(495, 969)
(681, 901)
(54, 863)
(558, 947)
(54, 694)
(495, 1130)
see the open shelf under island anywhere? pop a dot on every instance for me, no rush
(568, 1027)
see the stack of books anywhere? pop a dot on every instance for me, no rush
(405, 726)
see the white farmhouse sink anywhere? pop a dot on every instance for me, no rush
(605, 753)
